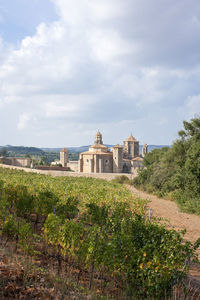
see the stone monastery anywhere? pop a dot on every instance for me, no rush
(99, 159)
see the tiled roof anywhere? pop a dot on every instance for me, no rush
(96, 152)
(118, 146)
(99, 146)
(64, 150)
(138, 158)
(131, 139)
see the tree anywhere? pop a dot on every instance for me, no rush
(175, 173)
(3, 152)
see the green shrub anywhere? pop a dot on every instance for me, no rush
(10, 227)
(121, 179)
(175, 172)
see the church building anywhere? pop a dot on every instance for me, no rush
(99, 159)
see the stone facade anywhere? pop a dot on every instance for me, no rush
(137, 162)
(144, 150)
(16, 161)
(64, 157)
(98, 159)
(117, 158)
(131, 148)
(73, 165)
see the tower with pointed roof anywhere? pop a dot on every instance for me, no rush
(131, 147)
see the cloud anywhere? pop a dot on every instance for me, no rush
(103, 64)
(193, 105)
(86, 12)
(23, 121)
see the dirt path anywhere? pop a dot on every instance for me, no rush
(177, 220)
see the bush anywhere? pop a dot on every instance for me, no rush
(148, 259)
(121, 179)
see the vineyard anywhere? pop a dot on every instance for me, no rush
(97, 227)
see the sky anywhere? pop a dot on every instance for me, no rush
(69, 68)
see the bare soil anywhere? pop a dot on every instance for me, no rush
(177, 220)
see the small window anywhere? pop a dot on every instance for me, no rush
(106, 161)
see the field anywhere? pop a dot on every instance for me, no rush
(93, 234)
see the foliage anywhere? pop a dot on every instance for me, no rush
(175, 172)
(98, 225)
(121, 179)
(148, 259)
(21, 151)
(3, 152)
(74, 156)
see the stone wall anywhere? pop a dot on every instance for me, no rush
(52, 168)
(107, 176)
(17, 161)
(73, 165)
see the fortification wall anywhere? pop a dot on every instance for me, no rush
(107, 176)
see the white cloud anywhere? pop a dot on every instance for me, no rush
(66, 106)
(142, 87)
(108, 46)
(23, 120)
(193, 105)
(87, 12)
(103, 63)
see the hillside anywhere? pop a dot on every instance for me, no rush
(174, 173)
(22, 150)
(94, 234)
(85, 148)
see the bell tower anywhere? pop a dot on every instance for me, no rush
(64, 157)
(98, 138)
(131, 147)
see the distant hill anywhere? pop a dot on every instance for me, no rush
(85, 148)
(21, 150)
(72, 149)
(33, 151)
(151, 147)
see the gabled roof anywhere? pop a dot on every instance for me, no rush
(131, 139)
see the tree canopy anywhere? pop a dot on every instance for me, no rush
(174, 172)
